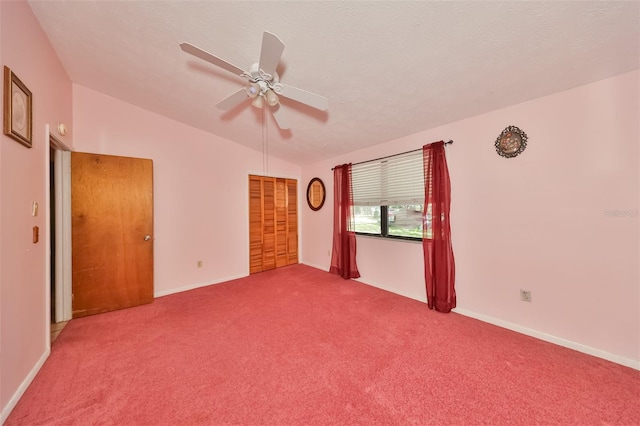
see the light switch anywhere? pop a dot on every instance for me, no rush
(34, 209)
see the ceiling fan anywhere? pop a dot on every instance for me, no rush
(263, 82)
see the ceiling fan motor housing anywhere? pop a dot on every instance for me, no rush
(257, 75)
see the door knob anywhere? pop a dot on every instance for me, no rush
(147, 237)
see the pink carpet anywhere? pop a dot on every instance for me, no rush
(298, 346)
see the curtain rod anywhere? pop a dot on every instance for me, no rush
(449, 142)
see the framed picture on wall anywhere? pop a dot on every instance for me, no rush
(511, 142)
(18, 105)
(316, 194)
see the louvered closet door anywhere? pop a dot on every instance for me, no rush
(255, 224)
(292, 221)
(281, 223)
(269, 224)
(273, 218)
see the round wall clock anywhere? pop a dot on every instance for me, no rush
(511, 142)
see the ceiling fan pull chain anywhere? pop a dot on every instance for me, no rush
(265, 144)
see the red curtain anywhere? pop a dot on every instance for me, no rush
(439, 264)
(343, 257)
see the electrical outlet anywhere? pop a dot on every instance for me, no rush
(525, 295)
(199, 263)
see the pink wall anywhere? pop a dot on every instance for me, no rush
(538, 222)
(200, 187)
(24, 314)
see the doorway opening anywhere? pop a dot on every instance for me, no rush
(59, 209)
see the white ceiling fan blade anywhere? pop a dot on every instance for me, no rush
(272, 49)
(197, 52)
(280, 117)
(233, 100)
(307, 98)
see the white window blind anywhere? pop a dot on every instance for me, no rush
(395, 180)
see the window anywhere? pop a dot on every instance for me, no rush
(388, 196)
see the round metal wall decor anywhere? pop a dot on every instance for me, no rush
(511, 142)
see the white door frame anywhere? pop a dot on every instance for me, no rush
(62, 229)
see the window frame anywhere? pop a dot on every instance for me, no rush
(395, 180)
(384, 228)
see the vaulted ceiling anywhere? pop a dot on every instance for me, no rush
(389, 69)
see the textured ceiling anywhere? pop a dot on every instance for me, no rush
(389, 69)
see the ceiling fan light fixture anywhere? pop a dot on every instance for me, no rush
(257, 102)
(272, 98)
(252, 90)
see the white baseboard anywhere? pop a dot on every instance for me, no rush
(369, 283)
(378, 286)
(197, 285)
(485, 318)
(322, 268)
(552, 339)
(6, 410)
(394, 291)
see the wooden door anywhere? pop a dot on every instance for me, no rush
(112, 232)
(268, 223)
(255, 224)
(292, 221)
(281, 223)
(273, 231)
